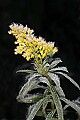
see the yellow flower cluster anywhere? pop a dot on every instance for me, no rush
(29, 45)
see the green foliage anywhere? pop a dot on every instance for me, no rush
(50, 116)
(72, 104)
(26, 71)
(47, 104)
(57, 103)
(69, 78)
(35, 109)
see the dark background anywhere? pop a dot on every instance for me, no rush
(55, 20)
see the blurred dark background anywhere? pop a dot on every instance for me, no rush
(55, 20)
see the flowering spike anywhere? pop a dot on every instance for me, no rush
(29, 45)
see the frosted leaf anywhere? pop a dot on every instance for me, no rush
(44, 80)
(25, 71)
(57, 103)
(55, 78)
(34, 76)
(28, 86)
(59, 69)
(72, 104)
(55, 62)
(30, 98)
(69, 78)
(35, 109)
(60, 91)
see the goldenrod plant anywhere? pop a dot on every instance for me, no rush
(45, 76)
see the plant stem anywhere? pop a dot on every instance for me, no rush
(52, 105)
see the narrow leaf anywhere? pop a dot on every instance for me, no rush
(65, 107)
(72, 104)
(44, 80)
(50, 116)
(60, 91)
(45, 102)
(44, 62)
(69, 78)
(57, 103)
(35, 110)
(55, 62)
(55, 78)
(34, 76)
(28, 86)
(25, 71)
(46, 92)
(30, 99)
(77, 101)
(46, 65)
(40, 86)
(59, 69)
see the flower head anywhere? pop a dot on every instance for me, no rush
(29, 45)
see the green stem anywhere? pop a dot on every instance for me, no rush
(52, 105)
